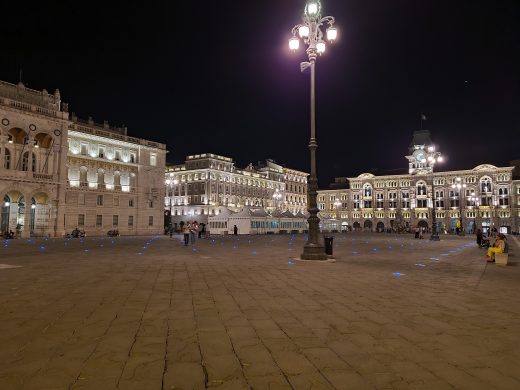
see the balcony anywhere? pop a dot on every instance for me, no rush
(33, 108)
(14, 174)
(100, 187)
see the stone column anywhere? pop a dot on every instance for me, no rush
(29, 151)
(26, 232)
(2, 155)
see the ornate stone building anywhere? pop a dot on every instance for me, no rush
(196, 189)
(406, 200)
(58, 173)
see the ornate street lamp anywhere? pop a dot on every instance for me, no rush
(311, 32)
(459, 186)
(277, 196)
(433, 157)
(170, 184)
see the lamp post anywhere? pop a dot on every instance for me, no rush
(337, 204)
(474, 202)
(277, 196)
(459, 186)
(170, 184)
(433, 157)
(311, 32)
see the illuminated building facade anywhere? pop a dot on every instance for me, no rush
(488, 197)
(58, 173)
(196, 189)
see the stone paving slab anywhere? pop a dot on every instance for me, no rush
(230, 312)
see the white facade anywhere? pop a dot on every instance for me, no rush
(255, 221)
(378, 203)
(58, 173)
(205, 182)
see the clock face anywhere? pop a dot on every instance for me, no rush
(420, 157)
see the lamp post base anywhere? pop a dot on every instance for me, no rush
(314, 252)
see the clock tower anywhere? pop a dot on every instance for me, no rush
(417, 152)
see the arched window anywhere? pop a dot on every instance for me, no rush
(486, 185)
(367, 190)
(421, 188)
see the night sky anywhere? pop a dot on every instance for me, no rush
(218, 77)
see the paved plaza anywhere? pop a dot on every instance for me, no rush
(392, 312)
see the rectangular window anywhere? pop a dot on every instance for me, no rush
(84, 149)
(421, 203)
(81, 198)
(115, 220)
(116, 200)
(101, 153)
(153, 160)
(81, 220)
(99, 220)
(150, 221)
(150, 204)
(439, 203)
(131, 202)
(133, 160)
(118, 155)
(100, 200)
(130, 220)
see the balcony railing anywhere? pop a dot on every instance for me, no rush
(33, 108)
(100, 187)
(26, 175)
(97, 129)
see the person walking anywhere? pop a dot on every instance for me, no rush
(235, 230)
(186, 233)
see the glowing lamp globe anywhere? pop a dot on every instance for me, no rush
(312, 8)
(294, 43)
(303, 31)
(320, 47)
(332, 34)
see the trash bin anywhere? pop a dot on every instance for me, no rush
(328, 244)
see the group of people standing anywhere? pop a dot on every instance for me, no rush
(191, 229)
(419, 232)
